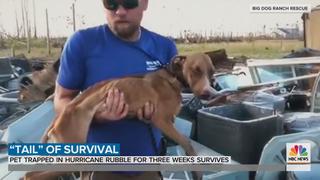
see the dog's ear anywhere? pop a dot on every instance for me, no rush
(56, 66)
(25, 81)
(176, 63)
(49, 91)
(179, 59)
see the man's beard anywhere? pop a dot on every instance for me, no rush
(126, 32)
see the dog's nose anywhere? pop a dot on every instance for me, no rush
(208, 93)
(204, 97)
(205, 94)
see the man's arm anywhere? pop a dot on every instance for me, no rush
(62, 97)
(114, 107)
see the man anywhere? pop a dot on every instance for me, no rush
(120, 48)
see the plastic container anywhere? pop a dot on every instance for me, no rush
(239, 130)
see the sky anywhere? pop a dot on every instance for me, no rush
(167, 17)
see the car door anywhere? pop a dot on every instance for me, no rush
(315, 97)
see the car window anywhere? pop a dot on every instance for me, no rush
(228, 81)
(274, 73)
(316, 94)
(232, 81)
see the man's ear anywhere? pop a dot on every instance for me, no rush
(145, 4)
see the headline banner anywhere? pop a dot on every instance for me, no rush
(53, 149)
(119, 160)
(106, 157)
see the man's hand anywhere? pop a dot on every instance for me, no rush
(114, 108)
(146, 112)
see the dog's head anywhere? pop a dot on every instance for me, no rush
(31, 93)
(197, 71)
(39, 85)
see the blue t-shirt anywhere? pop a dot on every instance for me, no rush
(96, 54)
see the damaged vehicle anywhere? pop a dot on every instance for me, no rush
(291, 79)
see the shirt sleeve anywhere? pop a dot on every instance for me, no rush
(72, 69)
(172, 50)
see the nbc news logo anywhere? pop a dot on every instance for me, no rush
(298, 153)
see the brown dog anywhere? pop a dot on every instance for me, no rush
(161, 88)
(39, 85)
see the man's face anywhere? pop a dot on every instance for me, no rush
(125, 22)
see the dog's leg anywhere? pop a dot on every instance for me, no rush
(165, 124)
(45, 175)
(72, 125)
(45, 138)
(86, 175)
(48, 175)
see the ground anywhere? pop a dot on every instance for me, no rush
(253, 49)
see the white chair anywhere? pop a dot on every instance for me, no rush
(30, 127)
(274, 152)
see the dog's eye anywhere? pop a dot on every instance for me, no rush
(197, 70)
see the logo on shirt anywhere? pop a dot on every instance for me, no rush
(153, 65)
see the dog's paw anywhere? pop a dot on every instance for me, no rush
(197, 175)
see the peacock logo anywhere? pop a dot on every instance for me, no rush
(298, 150)
(298, 153)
